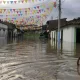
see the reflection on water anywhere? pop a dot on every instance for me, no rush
(67, 48)
(3, 41)
(78, 69)
(34, 59)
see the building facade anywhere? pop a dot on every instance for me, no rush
(69, 30)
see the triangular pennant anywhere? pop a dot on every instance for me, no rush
(40, 11)
(18, 14)
(29, 0)
(7, 2)
(54, 4)
(32, 0)
(37, 11)
(28, 8)
(8, 12)
(14, 10)
(4, 9)
(38, 7)
(20, 11)
(15, 2)
(21, 14)
(11, 2)
(4, 2)
(47, 8)
(17, 11)
(0, 2)
(10, 9)
(22, 1)
(34, 7)
(26, 1)
(19, 1)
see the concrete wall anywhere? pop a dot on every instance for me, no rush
(3, 26)
(53, 35)
(69, 46)
(3, 30)
(68, 34)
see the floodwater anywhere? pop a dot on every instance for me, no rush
(35, 59)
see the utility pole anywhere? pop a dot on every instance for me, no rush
(59, 23)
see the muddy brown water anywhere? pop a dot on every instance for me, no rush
(35, 59)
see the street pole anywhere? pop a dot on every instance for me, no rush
(59, 23)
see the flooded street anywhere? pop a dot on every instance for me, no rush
(34, 59)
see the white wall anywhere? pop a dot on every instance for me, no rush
(53, 35)
(3, 33)
(68, 46)
(68, 34)
(3, 26)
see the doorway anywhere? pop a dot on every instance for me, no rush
(78, 35)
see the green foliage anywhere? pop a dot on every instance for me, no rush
(31, 35)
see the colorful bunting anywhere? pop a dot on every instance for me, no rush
(33, 15)
(35, 9)
(26, 1)
(18, 1)
(54, 4)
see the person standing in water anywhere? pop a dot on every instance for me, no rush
(78, 61)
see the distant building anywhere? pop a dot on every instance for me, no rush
(6, 29)
(69, 30)
(44, 27)
(3, 30)
(52, 26)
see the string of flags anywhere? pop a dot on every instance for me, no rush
(32, 10)
(25, 12)
(19, 1)
(32, 15)
(38, 20)
(35, 19)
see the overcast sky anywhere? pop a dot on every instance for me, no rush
(70, 9)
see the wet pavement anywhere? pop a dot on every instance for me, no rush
(34, 59)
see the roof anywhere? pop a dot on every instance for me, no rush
(44, 27)
(74, 22)
(53, 24)
(10, 25)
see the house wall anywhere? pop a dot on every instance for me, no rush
(68, 46)
(68, 34)
(3, 30)
(53, 35)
